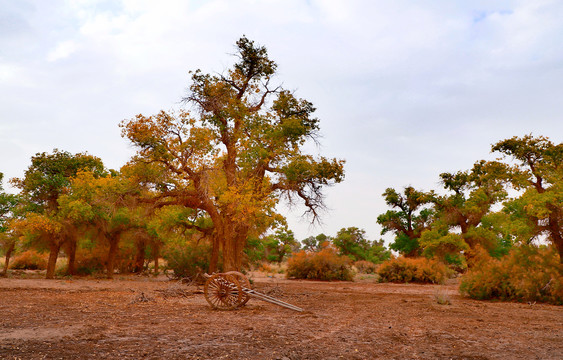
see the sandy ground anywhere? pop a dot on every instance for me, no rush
(153, 318)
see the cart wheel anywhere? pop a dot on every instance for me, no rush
(223, 291)
(243, 280)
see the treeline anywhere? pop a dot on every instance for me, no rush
(500, 222)
(203, 186)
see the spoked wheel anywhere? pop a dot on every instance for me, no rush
(223, 291)
(243, 280)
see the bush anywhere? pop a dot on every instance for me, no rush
(527, 273)
(30, 260)
(365, 267)
(323, 265)
(90, 260)
(269, 268)
(417, 270)
(187, 260)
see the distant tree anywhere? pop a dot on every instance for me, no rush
(7, 203)
(239, 155)
(280, 244)
(315, 243)
(407, 222)
(540, 176)
(352, 242)
(47, 178)
(7, 236)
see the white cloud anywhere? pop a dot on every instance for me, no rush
(404, 89)
(63, 50)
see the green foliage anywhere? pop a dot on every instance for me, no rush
(527, 273)
(7, 203)
(188, 259)
(416, 270)
(408, 222)
(49, 176)
(539, 173)
(323, 265)
(279, 245)
(352, 243)
(442, 245)
(315, 243)
(30, 260)
(255, 251)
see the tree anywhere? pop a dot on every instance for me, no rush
(7, 236)
(280, 244)
(408, 222)
(239, 154)
(109, 204)
(47, 178)
(540, 175)
(316, 243)
(471, 196)
(352, 242)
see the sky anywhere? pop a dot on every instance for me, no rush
(404, 90)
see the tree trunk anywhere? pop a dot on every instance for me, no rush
(140, 256)
(215, 244)
(71, 253)
(230, 254)
(53, 255)
(8, 256)
(556, 234)
(112, 254)
(156, 255)
(234, 241)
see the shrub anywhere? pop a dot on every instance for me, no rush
(365, 267)
(418, 270)
(187, 260)
(30, 260)
(90, 260)
(527, 273)
(323, 265)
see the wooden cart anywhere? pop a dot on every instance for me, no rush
(231, 290)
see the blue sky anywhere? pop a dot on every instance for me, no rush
(405, 90)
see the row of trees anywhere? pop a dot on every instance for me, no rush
(208, 177)
(475, 210)
(213, 171)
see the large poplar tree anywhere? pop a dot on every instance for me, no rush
(540, 175)
(235, 151)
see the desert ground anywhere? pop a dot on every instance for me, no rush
(143, 317)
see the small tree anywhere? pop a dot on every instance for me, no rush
(280, 244)
(7, 236)
(408, 222)
(47, 178)
(315, 243)
(352, 242)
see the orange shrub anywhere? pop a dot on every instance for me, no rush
(365, 267)
(323, 265)
(418, 270)
(527, 273)
(90, 261)
(30, 260)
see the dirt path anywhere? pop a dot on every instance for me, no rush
(134, 318)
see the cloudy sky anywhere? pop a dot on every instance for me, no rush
(405, 90)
